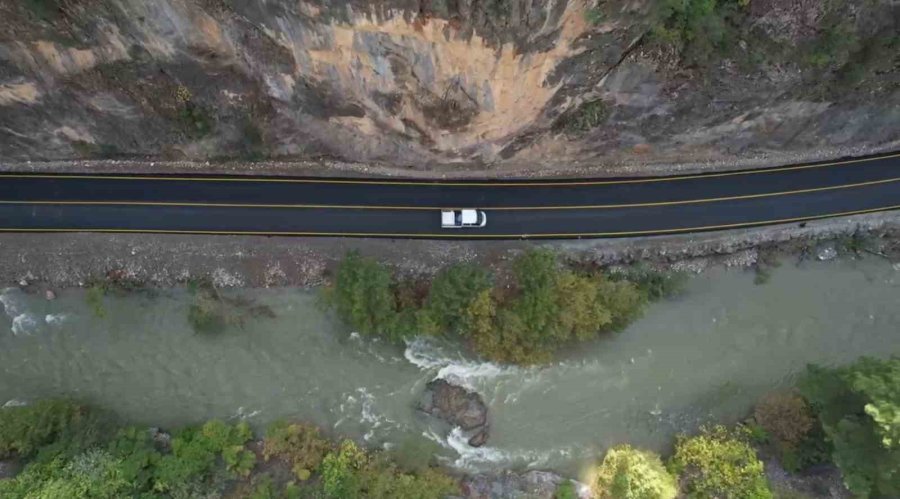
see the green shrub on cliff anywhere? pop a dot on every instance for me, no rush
(859, 409)
(719, 463)
(697, 30)
(628, 473)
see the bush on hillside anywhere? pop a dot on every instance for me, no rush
(719, 463)
(628, 473)
(697, 30)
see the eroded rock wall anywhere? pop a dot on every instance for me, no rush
(427, 83)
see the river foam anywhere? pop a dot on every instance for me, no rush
(430, 356)
(478, 459)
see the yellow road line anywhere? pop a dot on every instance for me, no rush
(501, 208)
(443, 235)
(438, 183)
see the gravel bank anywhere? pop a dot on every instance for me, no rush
(68, 260)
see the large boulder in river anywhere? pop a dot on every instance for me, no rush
(458, 407)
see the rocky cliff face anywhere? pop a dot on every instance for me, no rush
(445, 83)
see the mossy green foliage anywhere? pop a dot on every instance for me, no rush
(43, 9)
(699, 31)
(349, 472)
(550, 307)
(300, 445)
(594, 16)
(590, 115)
(71, 452)
(363, 296)
(208, 313)
(545, 307)
(95, 298)
(785, 421)
(212, 313)
(55, 427)
(656, 285)
(719, 463)
(859, 409)
(565, 490)
(195, 120)
(853, 41)
(629, 473)
(196, 450)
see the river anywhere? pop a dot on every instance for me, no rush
(705, 356)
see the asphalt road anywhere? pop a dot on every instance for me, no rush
(410, 208)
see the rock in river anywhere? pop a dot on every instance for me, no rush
(458, 407)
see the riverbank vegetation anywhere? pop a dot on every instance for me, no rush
(843, 416)
(521, 314)
(73, 451)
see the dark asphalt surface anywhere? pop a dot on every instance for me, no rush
(410, 208)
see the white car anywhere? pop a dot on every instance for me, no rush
(457, 219)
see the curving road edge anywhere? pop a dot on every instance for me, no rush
(397, 208)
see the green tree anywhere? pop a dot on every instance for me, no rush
(719, 463)
(628, 473)
(859, 409)
(697, 30)
(341, 470)
(452, 292)
(195, 452)
(362, 295)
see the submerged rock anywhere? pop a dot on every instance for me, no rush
(458, 407)
(49, 295)
(826, 251)
(162, 439)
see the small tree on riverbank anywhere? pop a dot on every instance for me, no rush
(719, 463)
(628, 473)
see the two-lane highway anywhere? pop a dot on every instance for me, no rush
(410, 208)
